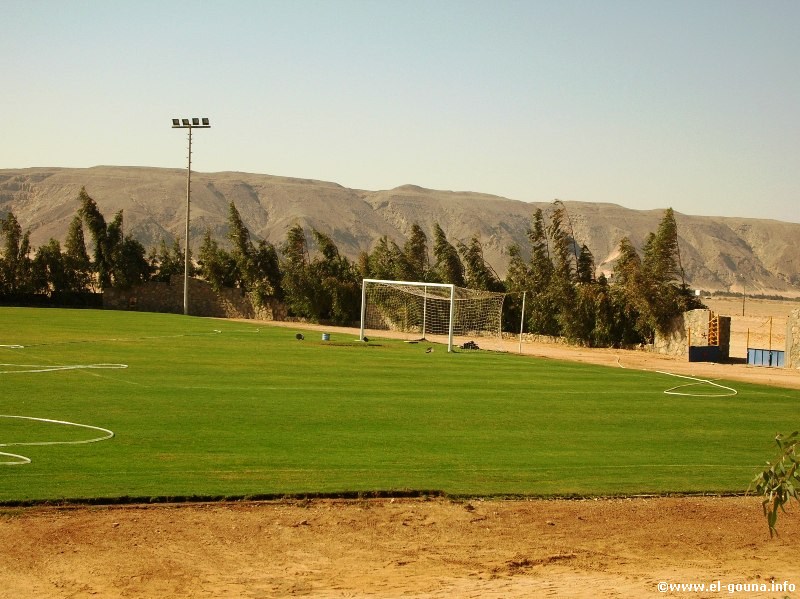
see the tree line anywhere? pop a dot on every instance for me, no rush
(563, 294)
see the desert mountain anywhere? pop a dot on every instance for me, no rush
(718, 253)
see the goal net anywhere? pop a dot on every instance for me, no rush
(430, 309)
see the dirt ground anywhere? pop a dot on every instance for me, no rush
(398, 548)
(391, 548)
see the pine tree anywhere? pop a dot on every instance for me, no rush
(661, 270)
(631, 305)
(256, 269)
(415, 263)
(336, 281)
(119, 259)
(16, 275)
(49, 275)
(585, 269)
(478, 273)
(517, 282)
(98, 229)
(130, 266)
(267, 264)
(298, 286)
(540, 312)
(217, 266)
(384, 262)
(77, 265)
(448, 267)
(241, 248)
(561, 290)
(167, 262)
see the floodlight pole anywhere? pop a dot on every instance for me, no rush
(189, 124)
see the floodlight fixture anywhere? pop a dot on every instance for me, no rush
(192, 123)
(187, 124)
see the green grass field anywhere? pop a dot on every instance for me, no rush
(217, 408)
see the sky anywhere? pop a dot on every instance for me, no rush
(689, 104)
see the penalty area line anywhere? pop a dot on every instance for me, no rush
(696, 381)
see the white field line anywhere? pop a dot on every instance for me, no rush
(17, 459)
(20, 460)
(32, 368)
(697, 381)
(673, 390)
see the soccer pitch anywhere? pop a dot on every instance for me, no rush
(207, 408)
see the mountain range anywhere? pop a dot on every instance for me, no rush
(717, 253)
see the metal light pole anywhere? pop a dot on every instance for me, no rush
(194, 123)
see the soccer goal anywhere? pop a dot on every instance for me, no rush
(429, 308)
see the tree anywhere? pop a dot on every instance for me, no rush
(517, 282)
(661, 269)
(15, 262)
(129, 263)
(661, 255)
(385, 260)
(77, 265)
(217, 266)
(326, 287)
(49, 275)
(561, 290)
(168, 261)
(603, 304)
(540, 313)
(478, 274)
(414, 264)
(561, 256)
(241, 248)
(267, 264)
(119, 260)
(448, 267)
(335, 279)
(298, 286)
(629, 298)
(98, 229)
(584, 271)
(779, 482)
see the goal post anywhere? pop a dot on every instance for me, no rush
(436, 308)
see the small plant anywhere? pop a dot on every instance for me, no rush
(780, 481)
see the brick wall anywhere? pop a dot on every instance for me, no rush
(203, 300)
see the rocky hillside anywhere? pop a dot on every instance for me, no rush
(718, 253)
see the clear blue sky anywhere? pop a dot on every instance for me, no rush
(693, 104)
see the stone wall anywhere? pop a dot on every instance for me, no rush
(691, 328)
(534, 338)
(673, 343)
(792, 357)
(203, 300)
